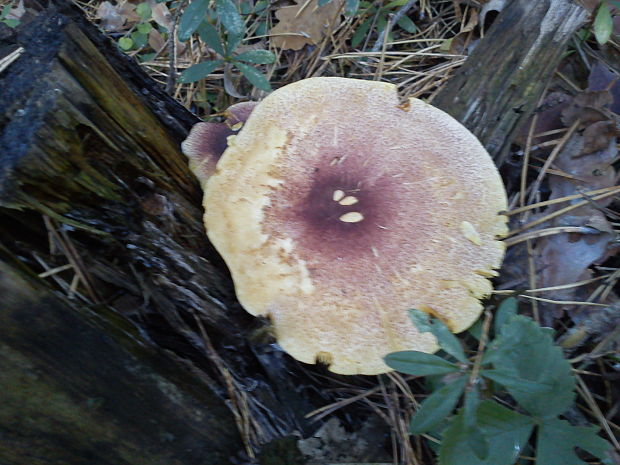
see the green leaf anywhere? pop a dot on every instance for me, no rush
(506, 310)
(139, 39)
(514, 383)
(351, 7)
(557, 440)
(144, 11)
(144, 28)
(470, 406)
(233, 42)
(125, 43)
(436, 407)
(230, 17)
(507, 432)
(500, 432)
(246, 8)
(421, 320)
(210, 36)
(446, 340)
(361, 32)
(258, 79)
(262, 28)
(260, 6)
(147, 57)
(477, 442)
(259, 57)
(603, 23)
(11, 22)
(408, 25)
(192, 17)
(524, 355)
(199, 71)
(6, 9)
(476, 329)
(413, 362)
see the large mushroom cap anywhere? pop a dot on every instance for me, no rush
(337, 208)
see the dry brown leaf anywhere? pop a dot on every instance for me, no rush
(156, 40)
(589, 107)
(160, 14)
(116, 17)
(567, 258)
(304, 23)
(111, 19)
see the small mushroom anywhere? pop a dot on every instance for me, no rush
(337, 209)
(206, 142)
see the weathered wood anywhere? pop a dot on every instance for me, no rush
(500, 84)
(76, 390)
(92, 177)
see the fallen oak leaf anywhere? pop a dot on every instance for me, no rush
(305, 23)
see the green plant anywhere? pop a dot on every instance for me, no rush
(350, 8)
(378, 17)
(139, 34)
(223, 31)
(522, 362)
(4, 13)
(603, 22)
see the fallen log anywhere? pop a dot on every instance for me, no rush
(500, 84)
(97, 200)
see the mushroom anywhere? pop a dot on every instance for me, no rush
(337, 208)
(206, 142)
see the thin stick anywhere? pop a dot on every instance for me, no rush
(563, 302)
(563, 199)
(551, 158)
(549, 232)
(561, 212)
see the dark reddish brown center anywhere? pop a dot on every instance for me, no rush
(335, 209)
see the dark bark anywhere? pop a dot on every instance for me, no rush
(91, 175)
(500, 84)
(77, 390)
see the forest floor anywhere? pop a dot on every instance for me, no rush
(561, 259)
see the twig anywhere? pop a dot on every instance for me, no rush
(172, 49)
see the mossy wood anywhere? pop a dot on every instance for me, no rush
(500, 84)
(95, 191)
(79, 388)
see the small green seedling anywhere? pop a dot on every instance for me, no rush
(223, 31)
(473, 427)
(4, 13)
(603, 21)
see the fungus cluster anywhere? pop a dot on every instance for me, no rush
(337, 208)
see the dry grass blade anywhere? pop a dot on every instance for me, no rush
(615, 190)
(593, 194)
(548, 232)
(585, 393)
(61, 238)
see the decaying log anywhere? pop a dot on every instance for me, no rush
(96, 195)
(500, 84)
(77, 390)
